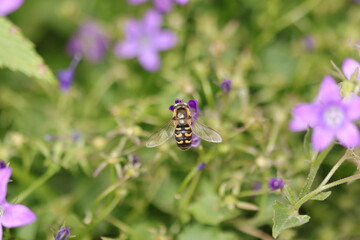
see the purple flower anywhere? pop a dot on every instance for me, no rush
(196, 140)
(226, 85)
(163, 6)
(276, 183)
(90, 40)
(256, 186)
(309, 43)
(194, 109)
(12, 215)
(330, 116)
(201, 166)
(8, 6)
(144, 39)
(193, 105)
(135, 159)
(76, 136)
(63, 233)
(66, 76)
(349, 66)
(2, 164)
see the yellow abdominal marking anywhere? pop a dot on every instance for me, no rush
(187, 141)
(187, 128)
(178, 135)
(178, 129)
(188, 134)
(180, 142)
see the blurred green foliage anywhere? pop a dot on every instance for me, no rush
(115, 105)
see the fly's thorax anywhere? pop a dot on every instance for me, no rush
(181, 113)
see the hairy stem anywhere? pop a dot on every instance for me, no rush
(51, 171)
(320, 189)
(316, 161)
(333, 170)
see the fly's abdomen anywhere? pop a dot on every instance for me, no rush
(183, 136)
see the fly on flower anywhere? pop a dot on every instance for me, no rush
(183, 125)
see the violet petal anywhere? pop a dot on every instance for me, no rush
(136, 2)
(349, 66)
(194, 110)
(5, 174)
(150, 60)
(63, 233)
(165, 40)
(348, 135)
(181, 2)
(309, 113)
(126, 49)
(352, 106)
(321, 138)
(133, 29)
(9, 6)
(196, 140)
(329, 91)
(164, 6)
(152, 21)
(65, 78)
(17, 215)
(296, 124)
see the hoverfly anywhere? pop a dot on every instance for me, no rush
(183, 126)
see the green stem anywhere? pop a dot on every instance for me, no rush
(333, 170)
(316, 161)
(189, 193)
(320, 189)
(254, 193)
(51, 171)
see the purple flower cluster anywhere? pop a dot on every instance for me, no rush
(330, 116)
(201, 167)
(90, 41)
(144, 39)
(163, 6)
(194, 113)
(309, 43)
(11, 215)
(63, 233)
(66, 77)
(276, 183)
(9, 6)
(193, 104)
(226, 85)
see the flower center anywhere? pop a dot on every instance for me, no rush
(2, 211)
(333, 117)
(144, 41)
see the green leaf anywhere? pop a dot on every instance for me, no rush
(339, 72)
(18, 53)
(207, 210)
(285, 217)
(321, 196)
(200, 232)
(289, 193)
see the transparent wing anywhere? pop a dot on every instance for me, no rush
(206, 133)
(161, 135)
